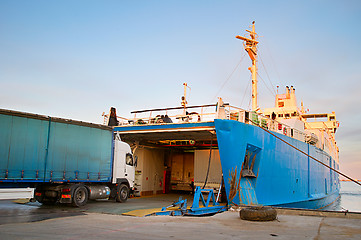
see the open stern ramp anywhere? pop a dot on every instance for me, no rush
(177, 131)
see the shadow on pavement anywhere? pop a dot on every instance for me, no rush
(12, 212)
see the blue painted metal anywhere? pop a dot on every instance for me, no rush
(284, 176)
(207, 207)
(181, 202)
(41, 149)
(198, 197)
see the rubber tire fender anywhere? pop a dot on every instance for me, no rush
(258, 213)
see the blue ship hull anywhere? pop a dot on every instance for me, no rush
(282, 176)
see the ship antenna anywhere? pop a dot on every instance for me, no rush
(250, 45)
(184, 98)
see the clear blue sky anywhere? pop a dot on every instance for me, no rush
(75, 59)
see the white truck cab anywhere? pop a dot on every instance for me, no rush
(124, 163)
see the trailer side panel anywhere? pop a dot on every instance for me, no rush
(42, 149)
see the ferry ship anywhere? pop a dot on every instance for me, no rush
(281, 156)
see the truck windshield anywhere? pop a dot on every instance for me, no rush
(129, 159)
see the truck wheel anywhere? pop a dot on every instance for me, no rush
(122, 193)
(80, 196)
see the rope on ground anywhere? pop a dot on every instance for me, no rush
(344, 175)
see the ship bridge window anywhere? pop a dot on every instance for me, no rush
(294, 114)
(280, 115)
(332, 118)
(287, 115)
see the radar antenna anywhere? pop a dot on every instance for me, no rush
(250, 45)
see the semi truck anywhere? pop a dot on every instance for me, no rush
(66, 161)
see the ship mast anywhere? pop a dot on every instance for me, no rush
(184, 99)
(250, 45)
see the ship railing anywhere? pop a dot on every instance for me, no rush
(330, 138)
(121, 120)
(207, 113)
(273, 125)
(201, 113)
(329, 142)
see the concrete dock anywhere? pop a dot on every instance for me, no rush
(103, 220)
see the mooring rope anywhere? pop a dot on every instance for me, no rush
(344, 175)
(209, 163)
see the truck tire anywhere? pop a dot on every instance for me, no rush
(258, 213)
(122, 193)
(80, 196)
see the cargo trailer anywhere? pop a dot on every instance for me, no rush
(66, 161)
